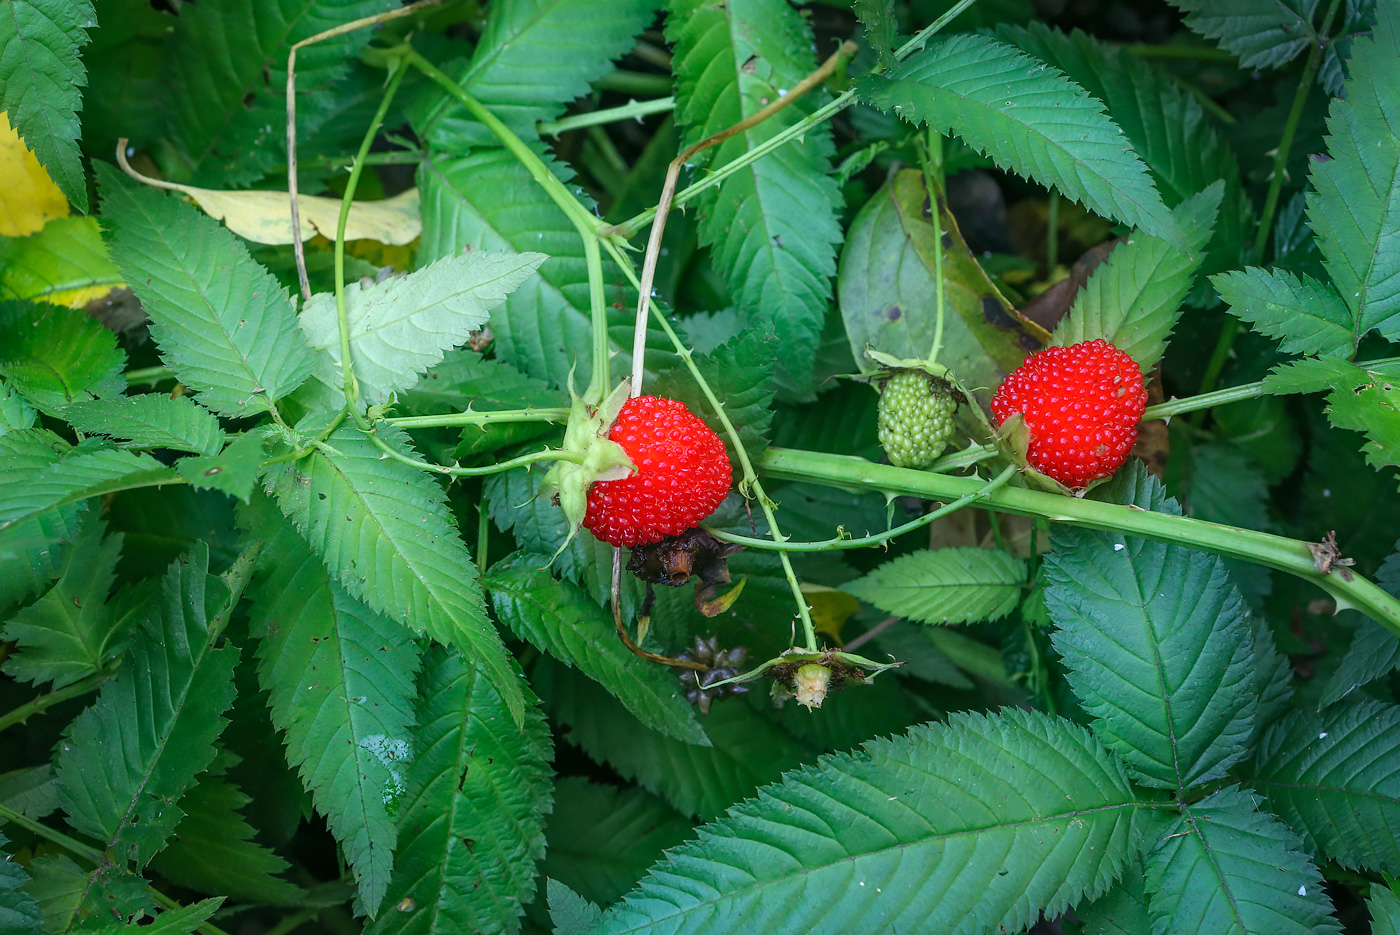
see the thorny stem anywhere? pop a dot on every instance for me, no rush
(42, 703)
(632, 110)
(452, 470)
(485, 417)
(1232, 327)
(1289, 555)
(297, 249)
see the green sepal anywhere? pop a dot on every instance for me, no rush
(586, 434)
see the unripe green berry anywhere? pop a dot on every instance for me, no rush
(916, 418)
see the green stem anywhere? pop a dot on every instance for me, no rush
(880, 538)
(452, 470)
(236, 580)
(1205, 53)
(933, 183)
(633, 110)
(1288, 555)
(151, 375)
(347, 368)
(634, 82)
(42, 703)
(487, 417)
(72, 845)
(588, 226)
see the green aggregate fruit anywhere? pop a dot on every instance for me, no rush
(916, 418)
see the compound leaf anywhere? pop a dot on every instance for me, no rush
(1334, 777)
(384, 529)
(340, 683)
(773, 225)
(560, 619)
(41, 83)
(223, 323)
(471, 824)
(131, 756)
(1029, 118)
(951, 585)
(1157, 644)
(151, 420)
(1224, 868)
(401, 326)
(974, 825)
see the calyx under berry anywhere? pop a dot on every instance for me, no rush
(586, 434)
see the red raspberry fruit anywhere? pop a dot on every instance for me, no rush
(1082, 405)
(682, 475)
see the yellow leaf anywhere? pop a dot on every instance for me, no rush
(28, 197)
(266, 217)
(830, 609)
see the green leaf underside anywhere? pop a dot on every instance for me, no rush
(1333, 776)
(602, 839)
(401, 327)
(1029, 119)
(66, 254)
(213, 850)
(70, 633)
(951, 585)
(980, 823)
(562, 620)
(536, 56)
(1307, 316)
(152, 420)
(131, 756)
(773, 225)
(746, 749)
(41, 83)
(55, 355)
(1374, 650)
(384, 529)
(223, 323)
(225, 78)
(471, 824)
(1224, 868)
(19, 911)
(340, 679)
(72, 898)
(1263, 33)
(1157, 644)
(1355, 206)
(1133, 299)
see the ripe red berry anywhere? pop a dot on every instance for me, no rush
(1082, 405)
(682, 475)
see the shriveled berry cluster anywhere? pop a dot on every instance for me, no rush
(1082, 405)
(682, 474)
(915, 418)
(723, 664)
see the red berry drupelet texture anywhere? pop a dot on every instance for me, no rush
(682, 475)
(1082, 405)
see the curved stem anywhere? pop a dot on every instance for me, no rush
(880, 538)
(1261, 548)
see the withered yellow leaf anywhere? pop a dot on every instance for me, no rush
(28, 198)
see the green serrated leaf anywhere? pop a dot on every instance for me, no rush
(384, 529)
(773, 225)
(1133, 299)
(1370, 406)
(1374, 650)
(571, 913)
(400, 327)
(78, 475)
(1385, 911)
(1030, 119)
(1120, 911)
(32, 550)
(71, 898)
(233, 471)
(747, 750)
(471, 825)
(224, 82)
(19, 911)
(520, 85)
(1355, 205)
(976, 825)
(1263, 33)
(32, 791)
(152, 420)
(562, 620)
(340, 680)
(952, 585)
(1332, 775)
(602, 839)
(41, 83)
(223, 323)
(213, 850)
(55, 355)
(180, 921)
(129, 757)
(740, 373)
(71, 632)
(1307, 316)
(15, 413)
(1156, 642)
(878, 19)
(1224, 868)
(51, 264)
